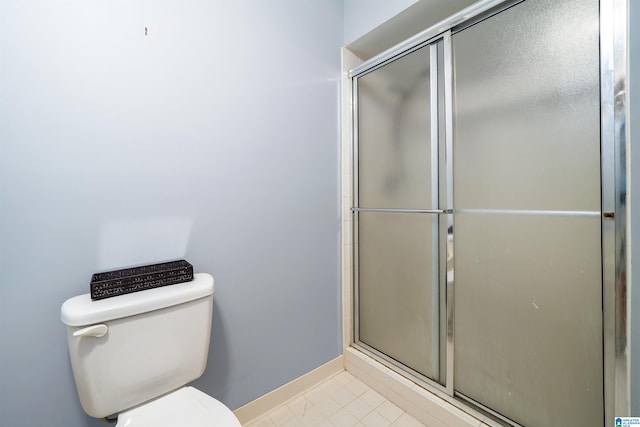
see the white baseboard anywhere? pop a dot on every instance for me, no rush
(277, 397)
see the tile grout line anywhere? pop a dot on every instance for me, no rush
(336, 390)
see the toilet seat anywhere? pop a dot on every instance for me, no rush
(186, 406)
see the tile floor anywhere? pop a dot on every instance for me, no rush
(340, 401)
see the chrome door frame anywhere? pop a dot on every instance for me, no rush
(615, 174)
(430, 43)
(615, 233)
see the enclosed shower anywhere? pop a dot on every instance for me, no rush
(483, 192)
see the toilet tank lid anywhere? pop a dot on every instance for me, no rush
(82, 311)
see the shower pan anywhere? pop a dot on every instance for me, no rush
(487, 211)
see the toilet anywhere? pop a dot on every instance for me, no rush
(133, 355)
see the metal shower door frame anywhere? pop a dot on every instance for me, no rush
(614, 144)
(614, 175)
(435, 77)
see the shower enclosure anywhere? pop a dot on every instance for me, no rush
(485, 251)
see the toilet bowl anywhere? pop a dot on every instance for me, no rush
(186, 406)
(133, 355)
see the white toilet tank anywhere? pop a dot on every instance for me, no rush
(129, 349)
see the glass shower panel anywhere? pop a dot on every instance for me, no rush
(528, 281)
(527, 109)
(394, 134)
(397, 252)
(528, 319)
(398, 308)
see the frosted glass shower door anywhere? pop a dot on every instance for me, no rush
(526, 155)
(397, 235)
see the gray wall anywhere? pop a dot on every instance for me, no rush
(214, 138)
(634, 125)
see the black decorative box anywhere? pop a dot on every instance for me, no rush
(120, 282)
